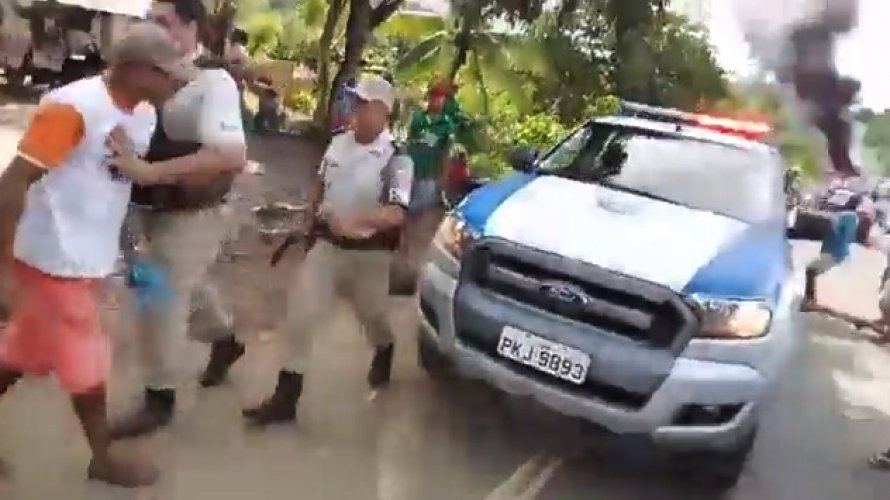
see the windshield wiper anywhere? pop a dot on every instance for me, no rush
(638, 192)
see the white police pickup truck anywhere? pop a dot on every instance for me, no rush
(637, 276)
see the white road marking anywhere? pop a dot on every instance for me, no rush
(528, 480)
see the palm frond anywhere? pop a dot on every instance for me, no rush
(496, 67)
(425, 56)
(407, 27)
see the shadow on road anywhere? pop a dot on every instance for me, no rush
(807, 432)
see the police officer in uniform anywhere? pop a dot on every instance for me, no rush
(200, 142)
(364, 191)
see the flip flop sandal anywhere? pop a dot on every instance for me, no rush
(881, 461)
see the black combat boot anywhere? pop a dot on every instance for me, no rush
(223, 355)
(380, 373)
(155, 414)
(281, 407)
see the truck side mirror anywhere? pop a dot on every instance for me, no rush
(523, 159)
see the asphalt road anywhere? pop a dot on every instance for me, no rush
(421, 440)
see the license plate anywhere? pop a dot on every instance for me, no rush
(552, 358)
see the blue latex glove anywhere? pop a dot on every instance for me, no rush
(150, 282)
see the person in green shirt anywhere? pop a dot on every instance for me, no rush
(430, 134)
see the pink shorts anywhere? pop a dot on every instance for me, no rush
(55, 328)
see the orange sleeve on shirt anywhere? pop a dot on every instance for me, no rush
(54, 132)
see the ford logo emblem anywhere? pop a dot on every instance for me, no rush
(565, 292)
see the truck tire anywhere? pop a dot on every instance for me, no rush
(433, 362)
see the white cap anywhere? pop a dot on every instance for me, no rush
(375, 88)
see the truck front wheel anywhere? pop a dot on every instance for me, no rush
(717, 471)
(433, 362)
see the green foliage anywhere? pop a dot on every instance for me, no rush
(686, 67)
(302, 101)
(603, 106)
(525, 75)
(508, 128)
(264, 31)
(877, 138)
(540, 131)
(283, 29)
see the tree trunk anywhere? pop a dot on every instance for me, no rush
(358, 28)
(384, 11)
(323, 68)
(469, 15)
(462, 50)
(216, 34)
(361, 22)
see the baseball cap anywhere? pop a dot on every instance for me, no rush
(148, 43)
(375, 88)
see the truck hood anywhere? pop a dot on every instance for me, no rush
(688, 250)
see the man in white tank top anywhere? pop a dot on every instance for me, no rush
(62, 203)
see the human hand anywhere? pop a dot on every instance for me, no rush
(348, 227)
(126, 161)
(150, 283)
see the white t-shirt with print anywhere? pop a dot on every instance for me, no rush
(73, 215)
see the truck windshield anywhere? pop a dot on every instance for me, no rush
(744, 184)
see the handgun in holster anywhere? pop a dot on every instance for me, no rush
(308, 240)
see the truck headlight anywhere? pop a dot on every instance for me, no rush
(453, 235)
(732, 319)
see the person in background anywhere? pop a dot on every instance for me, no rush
(430, 134)
(267, 117)
(458, 179)
(62, 204)
(236, 53)
(343, 118)
(198, 149)
(847, 226)
(363, 191)
(238, 60)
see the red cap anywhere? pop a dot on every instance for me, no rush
(441, 89)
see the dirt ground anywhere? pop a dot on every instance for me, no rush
(284, 171)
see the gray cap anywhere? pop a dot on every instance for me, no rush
(148, 43)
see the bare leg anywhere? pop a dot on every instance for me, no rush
(105, 466)
(8, 378)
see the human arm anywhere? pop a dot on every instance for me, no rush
(416, 125)
(220, 132)
(391, 212)
(54, 132)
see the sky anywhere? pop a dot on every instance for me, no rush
(873, 31)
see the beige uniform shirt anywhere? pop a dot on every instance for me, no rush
(354, 175)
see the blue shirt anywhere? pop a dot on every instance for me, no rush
(837, 244)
